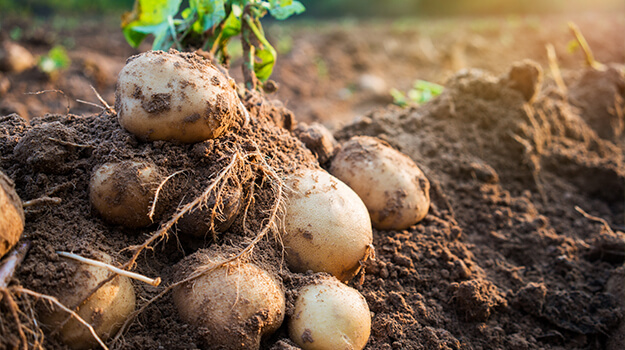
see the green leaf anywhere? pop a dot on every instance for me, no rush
(283, 9)
(264, 66)
(210, 12)
(148, 17)
(55, 60)
(232, 26)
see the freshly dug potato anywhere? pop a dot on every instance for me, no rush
(15, 58)
(175, 96)
(11, 215)
(394, 189)
(318, 139)
(235, 305)
(197, 223)
(327, 227)
(330, 315)
(106, 310)
(123, 192)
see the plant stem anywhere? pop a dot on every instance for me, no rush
(590, 58)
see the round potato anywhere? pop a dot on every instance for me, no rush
(394, 189)
(330, 315)
(106, 310)
(235, 305)
(327, 227)
(175, 96)
(11, 215)
(123, 192)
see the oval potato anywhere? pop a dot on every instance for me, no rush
(330, 315)
(175, 96)
(236, 304)
(327, 227)
(394, 189)
(123, 192)
(106, 310)
(11, 215)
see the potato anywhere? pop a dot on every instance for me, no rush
(327, 227)
(394, 189)
(123, 192)
(330, 315)
(106, 310)
(234, 305)
(175, 96)
(11, 215)
(15, 58)
(318, 139)
(197, 222)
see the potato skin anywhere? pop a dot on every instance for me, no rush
(394, 189)
(106, 310)
(11, 215)
(123, 192)
(236, 304)
(330, 315)
(174, 96)
(327, 227)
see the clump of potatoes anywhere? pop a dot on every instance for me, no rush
(394, 189)
(11, 215)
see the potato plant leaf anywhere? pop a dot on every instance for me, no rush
(283, 9)
(148, 17)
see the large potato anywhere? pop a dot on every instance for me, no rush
(175, 96)
(327, 227)
(394, 189)
(106, 310)
(330, 315)
(11, 215)
(123, 192)
(235, 305)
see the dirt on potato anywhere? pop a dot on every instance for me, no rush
(505, 258)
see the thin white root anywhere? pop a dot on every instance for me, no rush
(594, 218)
(108, 108)
(11, 262)
(247, 114)
(158, 191)
(56, 302)
(154, 282)
(41, 201)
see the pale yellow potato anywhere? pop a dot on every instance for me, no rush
(15, 58)
(235, 305)
(106, 310)
(327, 227)
(123, 192)
(394, 189)
(11, 215)
(330, 316)
(175, 96)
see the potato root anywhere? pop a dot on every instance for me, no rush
(236, 304)
(327, 227)
(175, 96)
(106, 310)
(123, 192)
(394, 189)
(330, 315)
(11, 215)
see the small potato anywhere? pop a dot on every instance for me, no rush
(394, 189)
(327, 227)
(15, 58)
(234, 305)
(330, 315)
(106, 310)
(11, 215)
(175, 96)
(123, 192)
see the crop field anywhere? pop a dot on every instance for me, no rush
(247, 174)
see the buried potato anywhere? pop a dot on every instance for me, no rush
(11, 215)
(123, 192)
(394, 189)
(175, 96)
(233, 305)
(106, 310)
(329, 315)
(327, 227)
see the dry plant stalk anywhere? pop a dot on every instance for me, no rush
(590, 58)
(555, 68)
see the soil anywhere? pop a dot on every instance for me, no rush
(502, 260)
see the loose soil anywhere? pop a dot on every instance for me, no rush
(502, 260)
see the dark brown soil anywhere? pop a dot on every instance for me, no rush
(502, 260)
